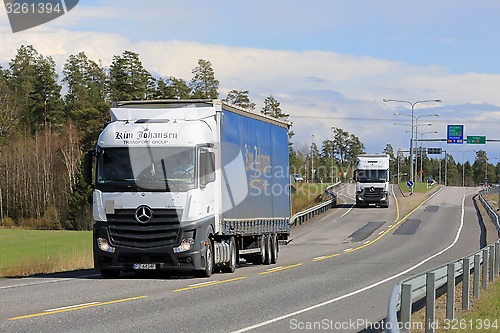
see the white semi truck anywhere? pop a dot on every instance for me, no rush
(372, 180)
(188, 186)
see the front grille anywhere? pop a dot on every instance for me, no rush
(162, 229)
(373, 192)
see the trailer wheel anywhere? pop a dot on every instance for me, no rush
(110, 274)
(274, 249)
(230, 266)
(268, 250)
(209, 261)
(260, 257)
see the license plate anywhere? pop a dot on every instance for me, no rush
(144, 266)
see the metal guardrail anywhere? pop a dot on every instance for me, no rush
(485, 265)
(300, 217)
(491, 212)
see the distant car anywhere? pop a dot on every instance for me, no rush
(297, 178)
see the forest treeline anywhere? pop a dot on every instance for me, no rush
(48, 121)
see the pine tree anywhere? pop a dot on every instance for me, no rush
(203, 84)
(128, 79)
(240, 98)
(272, 108)
(33, 79)
(84, 100)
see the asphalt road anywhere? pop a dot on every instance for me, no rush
(335, 275)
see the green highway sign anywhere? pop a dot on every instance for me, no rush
(476, 139)
(455, 134)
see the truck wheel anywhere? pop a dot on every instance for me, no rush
(260, 257)
(230, 267)
(268, 250)
(209, 261)
(110, 274)
(274, 249)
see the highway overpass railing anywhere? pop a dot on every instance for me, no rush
(301, 217)
(422, 289)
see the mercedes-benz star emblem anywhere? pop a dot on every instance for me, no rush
(372, 189)
(143, 214)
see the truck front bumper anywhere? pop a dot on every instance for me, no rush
(110, 255)
(382, 197)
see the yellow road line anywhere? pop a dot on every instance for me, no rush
(278, 269)
(212, 283)
(83, 306)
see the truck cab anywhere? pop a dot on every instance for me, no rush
(372, 180)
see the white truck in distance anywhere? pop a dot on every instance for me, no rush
(372, 180)
(188, 186)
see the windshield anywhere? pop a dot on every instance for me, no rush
(145, 169)
(372, 176)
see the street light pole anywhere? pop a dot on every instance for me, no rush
(463, 165)
(312, 159)
(445, 168)
(421, 151)
(331, 132)
(416, 138)
(485, 169)
(412, 125)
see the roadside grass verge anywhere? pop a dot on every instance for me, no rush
(306, 195)
(492, 199)
(485, 314)
(420, 187)
(482, 316)
(27, 252)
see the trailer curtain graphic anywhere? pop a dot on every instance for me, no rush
(26, 14)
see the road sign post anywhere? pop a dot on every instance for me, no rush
(410, 186)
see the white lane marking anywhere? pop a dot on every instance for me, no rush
(45, 282)
(70, 307)
(202, 283)
(376, 284)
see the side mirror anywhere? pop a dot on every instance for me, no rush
(87, 167)
(355, 175)
(207, 168)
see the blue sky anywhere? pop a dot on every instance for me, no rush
(329, 63)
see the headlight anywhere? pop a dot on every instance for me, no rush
(104, 245)
(186, 245)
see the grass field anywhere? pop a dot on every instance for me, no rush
(27, 252)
